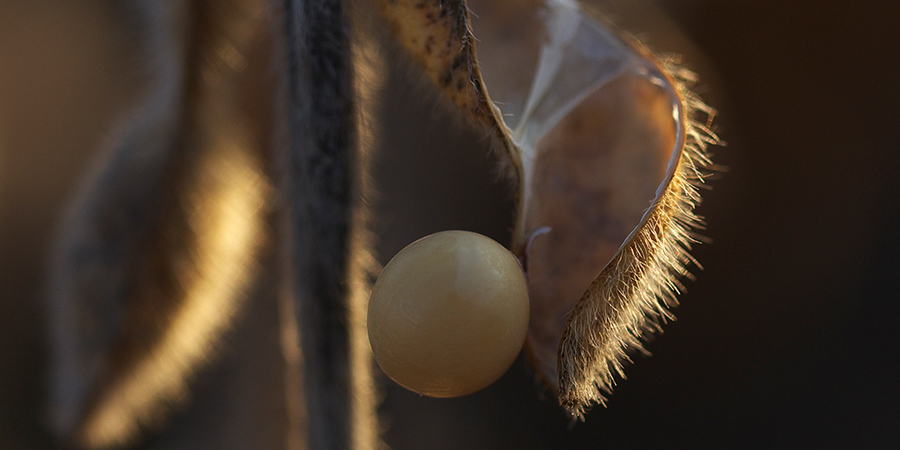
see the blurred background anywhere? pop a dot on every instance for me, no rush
(788, 337)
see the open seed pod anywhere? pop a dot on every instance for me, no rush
(599, 138)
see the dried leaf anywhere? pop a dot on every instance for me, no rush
(607, 160)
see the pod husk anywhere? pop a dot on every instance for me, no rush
(606, 195)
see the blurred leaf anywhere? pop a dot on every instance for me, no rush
(157, 256)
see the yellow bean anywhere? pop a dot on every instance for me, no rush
(449, 313)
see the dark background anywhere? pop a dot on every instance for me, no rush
(788, 338)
